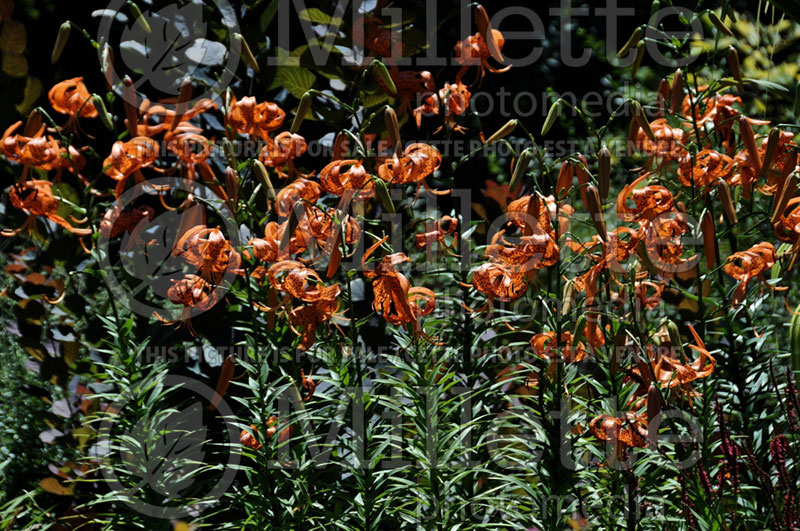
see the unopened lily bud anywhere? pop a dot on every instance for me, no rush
(639, 116)
(393, 129)
(653, 403)
(246, 54)
(789, 188)
(677, 92)
(232, 184)
(503, 132)
(633, 132)
(339, 146)
(107, 65)
(772, 146)
(263, 176)
(709, 239)
(568, 298)
(564, 181)
(297, 213)
(34, 123)
(382, 191)
(61, 41)
(714, 18)
(485, 29)
(97, 101)
(595, 208)
(734, 65)
(129, 103)
(184, 95)
(639, 56)
(552, 115)
(637, 35)
(724, 191)
(749, 141)
(382, 74)
(137, 16)
(520, 168)
(302, 110)
(663, 96)
(675, 339)
(604, 171)
(225, 377)
(680, 206)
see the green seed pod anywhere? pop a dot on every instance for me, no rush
(552, 115)
(523, 162)
(382, 74)
(61, 41)
(640, 47)
(246, 54)
(97, 101)
(734, 64)
(302, 110)
(638, 33)
(677, 92)
(136, 14)
(769, 153)
(382, 191)
(503, 132)
(604, 171)
(714, 18)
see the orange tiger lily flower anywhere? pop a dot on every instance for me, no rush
(782, 164)
(208, 251)
(417, 162)
(745, 266)
(304, 284)
(474, 51)
(649, 293)
(672, 372)
(409, 84)
(155, 119)
(342, 175)
(116, 221)
(255, 119)
(627, 432)
(499, 281)
(193, 292)
(720, 110)
(36, 197)
(268, 248)
(710, 167)
(667, 146)
(71, 97)
(321, 225)
(787, 225)
(44, 153)
(543, 345)
(281, 151)
(129, 158)
(395, 299)
(294, 192)
(248, 438)
(445, 227)
(650, 201)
